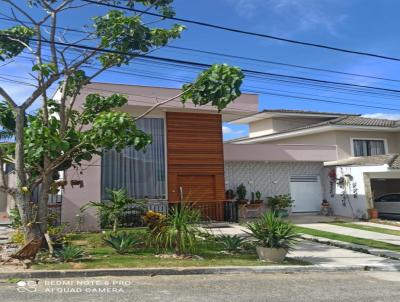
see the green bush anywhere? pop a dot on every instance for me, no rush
(15, 218)
(122, 242)
(273, 232)
(70, 253)
(279, 202)
(231, 243)
(59, 234)
(18, 237)
(179, 231)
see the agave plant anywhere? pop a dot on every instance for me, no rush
(273, 232)
(70, 253)
(231, 243)
(122, 243)
(179, 231)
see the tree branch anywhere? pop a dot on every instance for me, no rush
(21, 11)
(6, 96)
(159, 104)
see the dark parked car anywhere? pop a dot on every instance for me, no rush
(388, 205)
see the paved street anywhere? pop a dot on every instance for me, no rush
(299, 287)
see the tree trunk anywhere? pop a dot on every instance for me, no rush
(115, 225)
(22, 195)
(42, 204)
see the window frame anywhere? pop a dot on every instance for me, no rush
(352, 139)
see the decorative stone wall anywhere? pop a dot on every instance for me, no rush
(270, 178)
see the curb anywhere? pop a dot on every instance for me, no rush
(354, 247)
(151, 272)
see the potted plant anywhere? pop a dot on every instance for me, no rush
(258, 197)
(373, 213)
(280, 204)
(274, 237)
(230, 194)
(241, 194)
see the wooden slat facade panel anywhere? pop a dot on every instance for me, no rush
(195, 157)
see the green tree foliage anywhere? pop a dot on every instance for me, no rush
(13, 41)
(60, 135)
(219, 85)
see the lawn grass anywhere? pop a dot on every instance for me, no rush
(349, 239)
(367, 228)
(103, 256)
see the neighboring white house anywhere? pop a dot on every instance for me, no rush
(347, 159)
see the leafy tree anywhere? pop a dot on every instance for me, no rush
(59, 135)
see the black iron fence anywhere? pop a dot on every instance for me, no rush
(210, 211)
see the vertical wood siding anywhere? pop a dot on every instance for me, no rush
(195, 157)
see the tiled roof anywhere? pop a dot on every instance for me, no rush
(364, 121)
(392, 160)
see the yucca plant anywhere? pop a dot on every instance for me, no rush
(179, 231)
(231, 243)
(272, 232)
(122, 243)
(70, 253)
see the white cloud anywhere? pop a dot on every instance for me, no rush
(294, 15)
(245, 8)
(227, 130)
(387, 116)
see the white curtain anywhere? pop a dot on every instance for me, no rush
(141, 173)
(376, 147)
(368, 147)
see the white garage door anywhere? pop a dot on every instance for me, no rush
(306, 192)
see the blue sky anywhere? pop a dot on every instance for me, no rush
(369, 26)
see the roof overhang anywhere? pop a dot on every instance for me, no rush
(264, 115)
(141, 98)
(308, 131)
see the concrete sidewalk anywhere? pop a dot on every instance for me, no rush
(392, 239)
(378, 225)
(326, 256)
(318, 253)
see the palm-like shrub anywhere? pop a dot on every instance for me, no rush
(231, 243)
(122, 243)
(272, 232)
(279, 202)
(70, 253)
(114, 207)
(179, 230)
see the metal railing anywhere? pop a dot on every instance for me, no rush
(209, 211)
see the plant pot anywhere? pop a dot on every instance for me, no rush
(282, 213)
(242, 201)
(372, 213)
(271, 254)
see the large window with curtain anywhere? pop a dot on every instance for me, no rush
(363, 147)
(141, 173)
